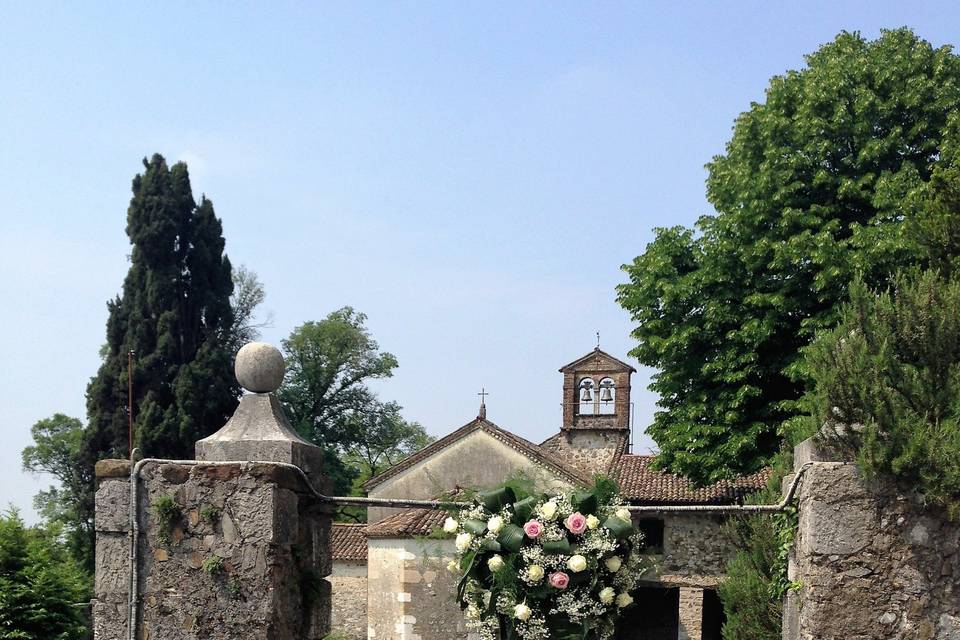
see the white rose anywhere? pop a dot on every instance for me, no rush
(624, 599)
(494, 524)
(592, 521)
(495, 563)
(623, 513)
(577, 563)
(453, 567)
(473, 612)
(613, 563)
(607, 595)
(535, 573)
(548, 510)
(522, 612)
(450, 525)
(463, 541)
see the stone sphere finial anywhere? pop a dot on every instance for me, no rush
(259, 367)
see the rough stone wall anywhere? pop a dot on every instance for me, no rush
(691, 614)
(695, 546)
(348, 582)
(591, 451)
(873, 563)
(243, 556)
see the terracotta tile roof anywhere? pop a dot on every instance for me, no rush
(349, 542)
(639, 481)
(524, 446)
(642, 484)
(413, 522)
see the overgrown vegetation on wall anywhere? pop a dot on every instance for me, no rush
(888, 384)
(757, 581)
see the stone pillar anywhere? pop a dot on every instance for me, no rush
(231, 547)
(691, 614)
(875, 562)
(112, 552)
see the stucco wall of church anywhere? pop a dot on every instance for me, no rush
(386, 560)
(411, 595)
(477, 460)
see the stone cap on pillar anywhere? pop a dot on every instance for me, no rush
(259, 429)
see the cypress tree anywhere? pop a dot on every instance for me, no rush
(175, 314)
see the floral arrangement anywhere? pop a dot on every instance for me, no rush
(545, 566)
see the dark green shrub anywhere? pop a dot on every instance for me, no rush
(887, 384)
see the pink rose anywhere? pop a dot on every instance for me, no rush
(576, 523)
(559, 580)
(533, 529)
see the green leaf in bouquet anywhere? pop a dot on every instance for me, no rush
(476, 527)
(561, 546)
(621, 529)
(580, 577)
(584, 501)
(467, 564)
(511, 538)
(496, 499)
(490, 545)
(523, 509)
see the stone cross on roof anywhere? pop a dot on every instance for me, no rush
(483, 404)
(259, 429)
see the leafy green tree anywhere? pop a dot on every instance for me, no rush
(39, 584)
(248, 295)
(56, 447)
(810, 191)
(382, 438)
(175, 315)
(324, 392)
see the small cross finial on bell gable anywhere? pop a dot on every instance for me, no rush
(483, 404)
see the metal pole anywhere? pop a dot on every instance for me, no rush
(130, 355)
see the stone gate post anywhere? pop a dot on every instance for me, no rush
(233, 545)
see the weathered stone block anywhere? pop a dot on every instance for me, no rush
(113, 505)
(112, 561)
(109, 620)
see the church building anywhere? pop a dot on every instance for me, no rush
(388, 575)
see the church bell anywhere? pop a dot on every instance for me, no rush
(587, 395)
(606, 395)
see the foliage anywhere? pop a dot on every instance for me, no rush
(756, 577)
(248, 295)
(56, 446)
(809, 192)
(538, 566)
(39, 584)
(381, 439)
(168, 513)
(887, 383)
(210, 513)
(212, 565)
(175, 315)
(324, 391)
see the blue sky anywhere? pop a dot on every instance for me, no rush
(470, 175)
